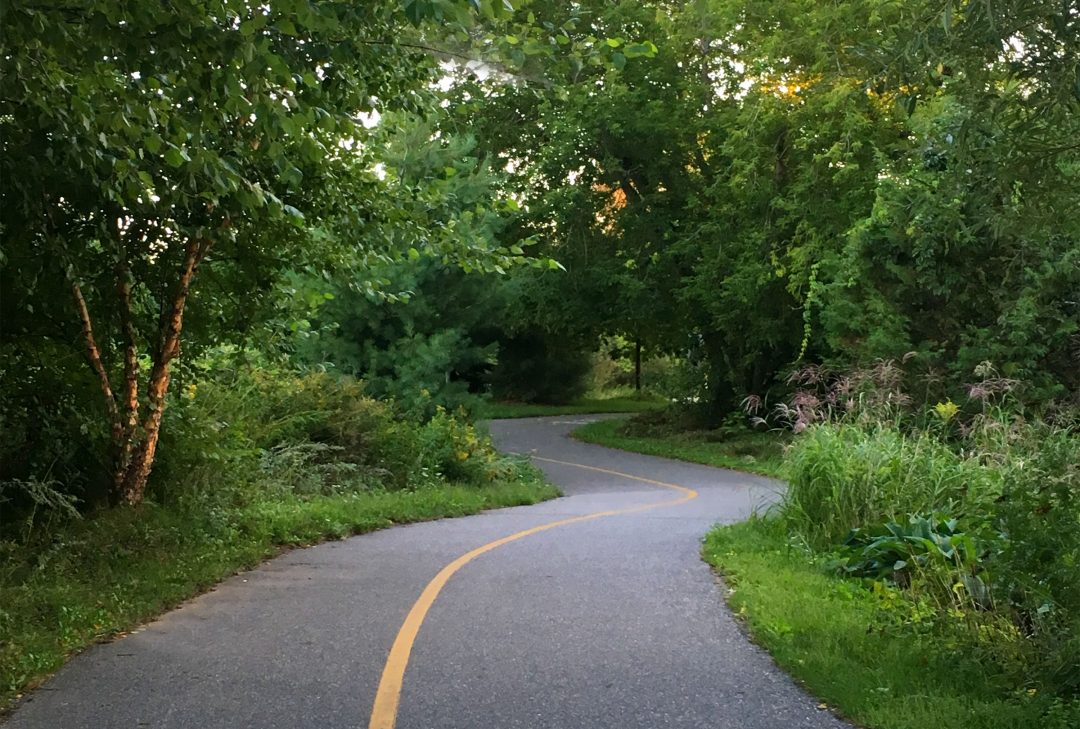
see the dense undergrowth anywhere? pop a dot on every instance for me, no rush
(923, 567)
(982, 533)
(254, 459)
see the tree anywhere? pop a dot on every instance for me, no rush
(970, 255)
(784, 184)
(604, 175)
(429, 335)
(143, 145)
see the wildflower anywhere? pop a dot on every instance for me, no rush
(946, 410)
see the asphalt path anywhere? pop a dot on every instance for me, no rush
(601, 615)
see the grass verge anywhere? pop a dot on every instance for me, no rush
(759, 453)
(849, 646)
(496, 410)
(108, 573)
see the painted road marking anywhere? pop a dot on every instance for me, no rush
(388, 695)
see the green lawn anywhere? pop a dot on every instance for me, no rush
(107, 573)
(496, 410)
(759, 453)
(852, 648)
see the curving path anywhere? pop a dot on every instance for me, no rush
(597, 614)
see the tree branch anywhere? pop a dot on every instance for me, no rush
(94, 353)
(131, 356)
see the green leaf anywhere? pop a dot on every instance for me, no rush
(416, 11)
(174, 157)
(640, 50)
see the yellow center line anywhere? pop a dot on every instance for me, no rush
(388, 695)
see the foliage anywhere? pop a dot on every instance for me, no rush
(927, 551)
(1003, 565)
(895, 548)
(435, 349)
(49, 414)
(788, 182)
(847, 476)
(540, 368)
(255, 423)
(166, 167)
(452, 448)
(175, 146)
(1037, 559)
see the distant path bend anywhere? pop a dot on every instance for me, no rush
(593, 611)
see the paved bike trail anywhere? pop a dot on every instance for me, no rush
(613, 622)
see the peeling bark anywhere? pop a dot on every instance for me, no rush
(132, 482)
(94, 354)
(129, 416)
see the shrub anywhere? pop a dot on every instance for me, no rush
(453, 449)
(242, 435)
(1037, 565)
(52, 419)
(1005, 563)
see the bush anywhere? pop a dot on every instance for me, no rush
(1001, 552)
(52, 416)
(1037, 566)
(239, 435)
(453, 449)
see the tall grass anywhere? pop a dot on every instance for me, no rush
(1010, 490)
(846, 475)
(918, 538)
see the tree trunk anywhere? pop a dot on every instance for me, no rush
(721, 398)
(637, 366)
(132, 479)
(129, 415)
